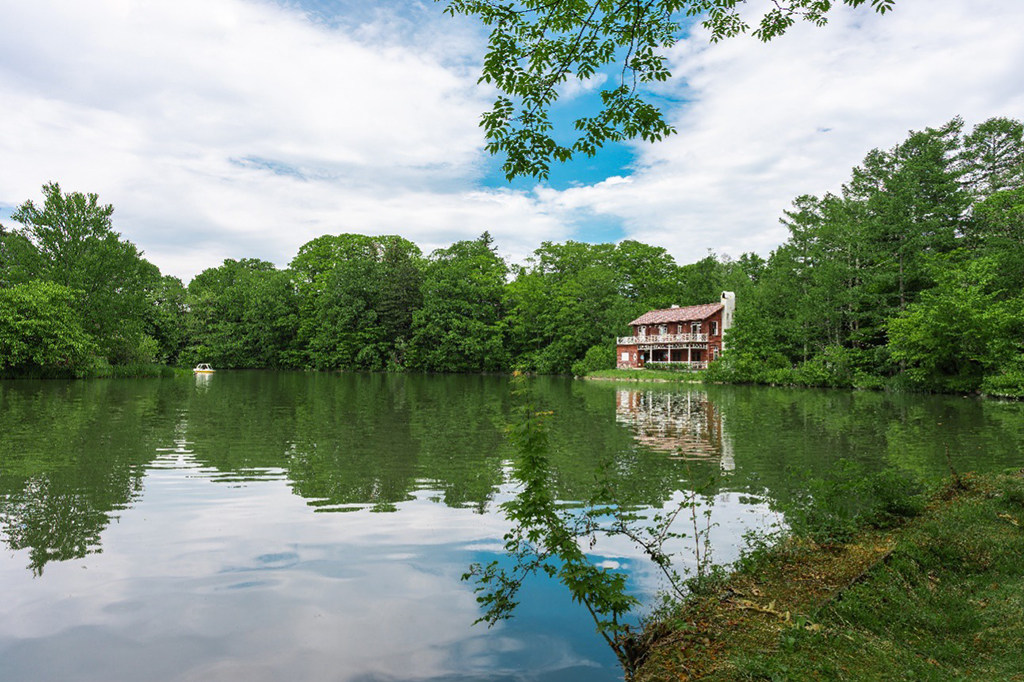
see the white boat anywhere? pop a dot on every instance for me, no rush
(203, 368)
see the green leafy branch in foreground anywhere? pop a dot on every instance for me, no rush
(548, 537)
(536, 47)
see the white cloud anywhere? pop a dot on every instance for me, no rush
(765, 123)
(243, 128)
(574, 87)
(234, 128)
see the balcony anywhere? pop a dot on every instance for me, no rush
(661, 338)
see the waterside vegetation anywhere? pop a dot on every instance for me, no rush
(871, 575)
(935, 598)
(909, 278)
(647, 374)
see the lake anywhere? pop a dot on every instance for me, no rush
(298, 526)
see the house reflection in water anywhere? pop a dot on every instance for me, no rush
(687, 425)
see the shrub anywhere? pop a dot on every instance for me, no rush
(892, 494)
(596, 358)
(740, 368)
(140, 350)
(41, 331)
(1008, 383)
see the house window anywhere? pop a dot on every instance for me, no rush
(695, 328)
(663, 329)
(643, 331)
(625, 356)
(714, 328)
(715, 353)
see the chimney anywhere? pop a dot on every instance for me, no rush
(728, 309)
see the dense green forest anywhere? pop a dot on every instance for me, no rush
(912, 277)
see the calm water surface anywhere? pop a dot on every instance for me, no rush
(288, 526)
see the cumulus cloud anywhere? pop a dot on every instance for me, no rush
(237, 128)
(574, 87)
(764, 123)
(243, 128)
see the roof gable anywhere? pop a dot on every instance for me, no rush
(687, 314)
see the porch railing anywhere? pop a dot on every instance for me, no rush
(661, 338)
(693, 364)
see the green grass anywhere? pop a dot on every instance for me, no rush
(947, 603)
(136, 371)
(647, 375)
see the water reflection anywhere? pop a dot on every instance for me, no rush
(172, 529)
(74, 455)
(687, 425)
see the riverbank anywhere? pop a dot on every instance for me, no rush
(652, 375)
(105, 371)
(1009, 387)
(939, 598)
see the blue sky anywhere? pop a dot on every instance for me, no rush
(244, 128)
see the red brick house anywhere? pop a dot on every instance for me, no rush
(692, 335)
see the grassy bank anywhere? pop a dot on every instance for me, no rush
(136, 371)
(938, 598)
(656, 375)
(105, 371)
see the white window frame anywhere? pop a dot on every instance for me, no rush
(714, 327)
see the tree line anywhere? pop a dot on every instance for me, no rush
(75, 296)
(910, 277)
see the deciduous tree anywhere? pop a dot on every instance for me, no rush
(536, 46)
(41, 331)
(74, 245)
(459, 327)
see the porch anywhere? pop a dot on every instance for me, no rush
(674, 357)
(681, 365)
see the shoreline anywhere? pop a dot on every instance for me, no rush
(635, 375)
(937, 597)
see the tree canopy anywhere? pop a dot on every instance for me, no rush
(536, 46)
(909, 277)
(70, 241)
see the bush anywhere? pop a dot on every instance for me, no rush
(1008, 383)
(140, 350)
(741, 368)
(866, 381)
(1013, 492)
(597, 358)
(833, 367)
(41, 332)
(893, 495)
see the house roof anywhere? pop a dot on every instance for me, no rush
(686, 314)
